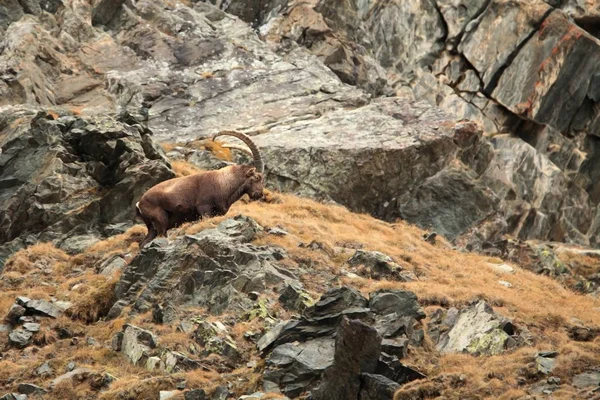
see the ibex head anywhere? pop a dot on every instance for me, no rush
(254, 173)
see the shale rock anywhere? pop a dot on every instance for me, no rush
(357, 349)
(215, 268)
(295, 367)
(298, 351)
(376, 387)
(380, 265)
(52, 171)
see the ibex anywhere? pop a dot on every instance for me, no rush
(205, 194)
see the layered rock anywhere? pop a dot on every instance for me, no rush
(313, 353)
(68, 177)
(216, 268)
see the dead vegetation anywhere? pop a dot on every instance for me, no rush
(320, 238)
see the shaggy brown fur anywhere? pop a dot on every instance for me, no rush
(206, 194)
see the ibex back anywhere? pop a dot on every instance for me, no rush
(205, 194)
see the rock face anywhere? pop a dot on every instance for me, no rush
(319, 351)
(304, 80)
(70, 176)
(216, 268)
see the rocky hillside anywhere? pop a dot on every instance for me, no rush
(430, 230)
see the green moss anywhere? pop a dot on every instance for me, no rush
(491, 343)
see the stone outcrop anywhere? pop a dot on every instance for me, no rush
(303, 79)
(217, 268)
(313, 352)
(67, 177)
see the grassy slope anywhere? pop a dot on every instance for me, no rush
(446, 277)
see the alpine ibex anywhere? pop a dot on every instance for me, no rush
(205, 194)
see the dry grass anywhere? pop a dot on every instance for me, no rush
(93, 300)
(120, 244)
(36, 257)
(446, 277)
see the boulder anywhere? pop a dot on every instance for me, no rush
(294, 367)
(136, 344)
(294, 298)
(380, 265)
(376, 387)
(401, 302)
(20, 337)
(476, 329)
(357, 351)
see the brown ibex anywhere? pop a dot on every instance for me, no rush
(205, 194)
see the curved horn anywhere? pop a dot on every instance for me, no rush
(258, 162)
(236, 147)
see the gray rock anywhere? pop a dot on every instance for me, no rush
(476, 329)
(78, 374)
(545, 365)
(390, 367)
(296, 367)
(380, 265)
(335, 301)
(137, 343)
(220, 393)
(515, 22)
(43, 307)
(357, 351)
(104, 10)
(77, 244)
(403, 303)
(20, 337)
(458, 14)
(14, 396)
(112, 265)
(376, 387)
(293, 298)
(68, 159)
(31, 327)
(558, 50)
(176, 361)
(220, 265)
(14, 313)
(587, 379)
(164, 395)
(195, 394)
(215, 339)
(44, 370)
(117, 341)
(29, 388)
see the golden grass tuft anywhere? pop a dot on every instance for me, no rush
(38, 256)
(119, 244)
(95, 301)
(134, 388)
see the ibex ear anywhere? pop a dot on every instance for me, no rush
(250, 172)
